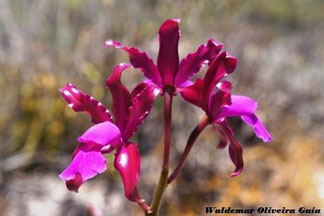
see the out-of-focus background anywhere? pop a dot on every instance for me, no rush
(44, 44)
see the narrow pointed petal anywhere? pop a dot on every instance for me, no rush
(139, 60)
(80, 102)
(190, 65)
(121, 96)
(235, 149)
(141, 106)
(85, 165)
(219, 68)
(235, 152)
(105, 133)
(168, 58)
(223, 141)
(193, 93)
(245, 107)
(128, 162)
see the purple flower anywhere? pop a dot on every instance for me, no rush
(168, 71)
(221, 104)
(129, 111)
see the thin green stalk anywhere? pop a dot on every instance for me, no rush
(154, 210)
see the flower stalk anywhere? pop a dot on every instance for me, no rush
(168, 94)
(192, 138)
(155, 207)
(167, 127)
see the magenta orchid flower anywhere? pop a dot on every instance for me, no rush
(168, 72)
(129, 111)
(221, 104)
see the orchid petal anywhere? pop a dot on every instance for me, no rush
(245, 107)
(259, 129)
(87, 159)
(80, 102)
(138, 89)
(241, 105)
(168, 58)
(223, 141)
(105, 133)
(193, 93)
(75, 183)
(85, 165)
(128, 162)
(142, 105)
(219, 100)
(121, 96)
(225, 86)
(219, 68)
(86, 147)
(194, 61)
(139, 60)
(235, 152)
(235, 149)
(149, 82)
(184, 84)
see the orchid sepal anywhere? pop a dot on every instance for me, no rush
(81, 102)
(127, 162)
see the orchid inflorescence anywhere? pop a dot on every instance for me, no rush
(111, 132)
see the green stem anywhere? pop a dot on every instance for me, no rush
(154, 210)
